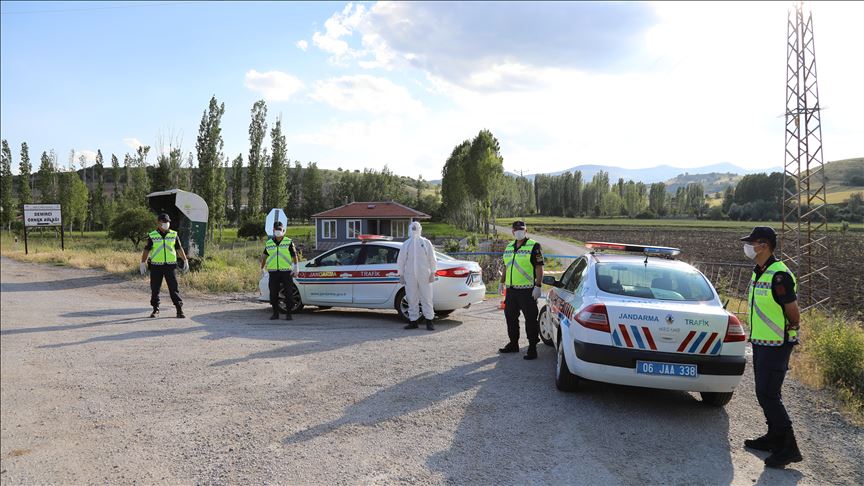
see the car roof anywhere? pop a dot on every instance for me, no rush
(393, 244)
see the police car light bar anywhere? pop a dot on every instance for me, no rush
(374, 238)
(663, 251)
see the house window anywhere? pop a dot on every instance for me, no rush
(399, 228)
(328, 229)
(352, 228)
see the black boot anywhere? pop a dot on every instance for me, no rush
(532, 351)
(429, 326)
(180, 314)
(769, 442)
(787, 454)
(511, 347)
(411, 325)
(155, 312)
(275, 314)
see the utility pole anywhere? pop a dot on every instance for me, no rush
(804, 234)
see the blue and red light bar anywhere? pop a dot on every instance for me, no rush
(664, 251)
(374, 238)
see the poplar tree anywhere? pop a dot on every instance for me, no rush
(6, 203)
(115, 177)
(237, 187)
(209, 146)
(24, 193)
(98, 198)
(276, 174)
(46, 179)
(257, 131)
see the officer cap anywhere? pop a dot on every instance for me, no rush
(518, 225)
(164, 218)
(762, 233)
(277, 225)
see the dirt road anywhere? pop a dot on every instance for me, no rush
(94, 392)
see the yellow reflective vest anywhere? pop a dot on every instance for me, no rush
(278, 255)
(163, 251)
(518, 269)
(767, 319)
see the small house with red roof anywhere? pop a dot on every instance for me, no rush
(346, 223)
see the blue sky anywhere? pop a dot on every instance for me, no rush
(367, 84)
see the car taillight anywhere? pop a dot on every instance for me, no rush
(594, 317)
(734, 331)
(453, 272)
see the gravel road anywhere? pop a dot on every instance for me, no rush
(94, 392)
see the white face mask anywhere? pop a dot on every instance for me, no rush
(278, 233)
(749, 251)
(165, 226)
(519, 234)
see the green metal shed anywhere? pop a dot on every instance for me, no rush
(188, 213)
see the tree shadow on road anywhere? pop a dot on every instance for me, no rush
(72, 327)
(55, 285)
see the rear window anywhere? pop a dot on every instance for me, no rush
(444, 258)
(647, 282)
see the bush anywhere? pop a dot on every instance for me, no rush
(251, 229)
(133, 224)
(715, 213)
(647, 214)
(838, 345)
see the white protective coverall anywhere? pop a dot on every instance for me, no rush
(416, 265)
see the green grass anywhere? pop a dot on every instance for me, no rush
(440, 230)
(539, 221)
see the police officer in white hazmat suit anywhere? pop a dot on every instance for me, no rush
(416, 264)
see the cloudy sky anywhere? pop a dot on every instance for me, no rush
(367, 84)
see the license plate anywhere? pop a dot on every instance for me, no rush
(666, 369)
(474, 278)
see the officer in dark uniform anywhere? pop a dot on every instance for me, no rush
(522, 278)
(280, 261)
(774, 323)
(163, 246)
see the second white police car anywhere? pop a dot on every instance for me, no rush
(364, 275)
(642, 319)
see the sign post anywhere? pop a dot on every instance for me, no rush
(41, 215)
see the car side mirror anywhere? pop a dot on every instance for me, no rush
(312, 263)
(550, 280)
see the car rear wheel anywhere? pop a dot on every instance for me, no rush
(298, 303)
(401, 306)
(564, 380)
(715, 399)
(546, 330)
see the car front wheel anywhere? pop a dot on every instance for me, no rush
(715, 399)
(546, 328)
(298, 303)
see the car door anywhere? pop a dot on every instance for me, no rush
(328, 280)
(376, 279)
(561, 297)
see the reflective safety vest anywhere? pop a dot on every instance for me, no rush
(767, 320)
(163, 251)
(518, 269)
(278, 255)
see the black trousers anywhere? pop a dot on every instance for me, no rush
(770, 364)
(516, 301)
(168, 272)
(281, 280)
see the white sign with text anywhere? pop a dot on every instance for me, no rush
(42, 215)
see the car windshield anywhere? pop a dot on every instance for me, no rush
(653, 282)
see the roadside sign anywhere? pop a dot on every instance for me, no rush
(40, 216)
(274, 215)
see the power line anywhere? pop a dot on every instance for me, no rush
(112, 7)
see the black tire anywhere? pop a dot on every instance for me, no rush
(715, 399)
(298, 303)
(444, 313)
(401, 305)
(564, 380)
(546, 327)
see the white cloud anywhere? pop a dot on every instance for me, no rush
(367, 93)
(273, 85)
(302, 45)
(132, 143)
(89, 156)
(339, 25)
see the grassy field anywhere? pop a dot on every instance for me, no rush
(837, 197)
(539, 221)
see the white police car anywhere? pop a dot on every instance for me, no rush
(635, 319)
(364, 275)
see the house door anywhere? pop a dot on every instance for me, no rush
(372, 227)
